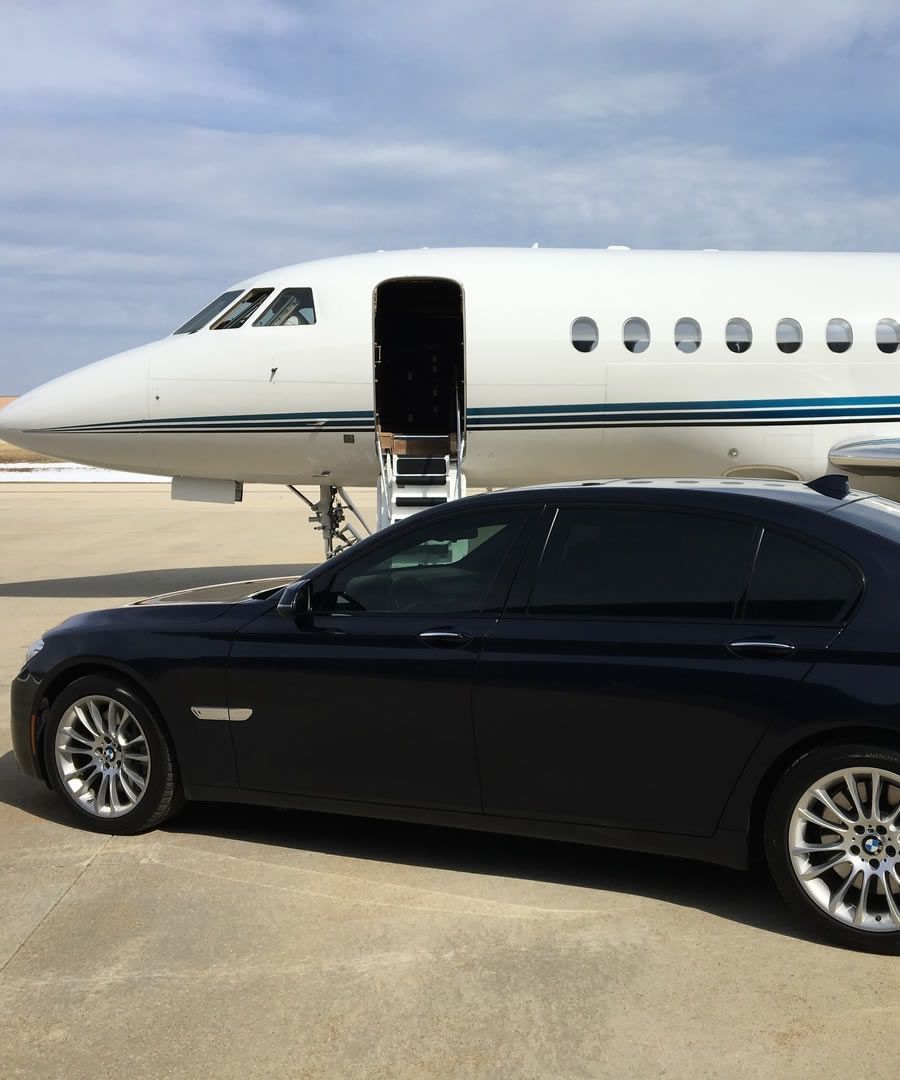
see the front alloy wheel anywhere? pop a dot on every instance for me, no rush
(833, 843)
(109, 758)
(102, 756)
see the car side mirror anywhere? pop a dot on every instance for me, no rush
(296, 601)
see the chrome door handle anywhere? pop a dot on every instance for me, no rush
(452, 639)
(765, 650)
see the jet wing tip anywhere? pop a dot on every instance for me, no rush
(862, 456)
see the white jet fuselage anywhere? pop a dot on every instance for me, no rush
(298, 403)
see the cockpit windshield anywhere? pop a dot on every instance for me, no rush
(292, 307)
(242, 310)
(209, 312)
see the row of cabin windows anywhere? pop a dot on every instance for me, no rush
(291, 307)
(738, 335)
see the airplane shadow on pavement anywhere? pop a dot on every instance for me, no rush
(745, 898)
(148, 582)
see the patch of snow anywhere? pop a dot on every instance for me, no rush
(65, 472)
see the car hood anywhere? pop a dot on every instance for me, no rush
(229, 606)
(230, 593)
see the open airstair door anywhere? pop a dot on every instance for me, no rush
(419, 394)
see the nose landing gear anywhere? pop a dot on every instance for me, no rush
(328, 513)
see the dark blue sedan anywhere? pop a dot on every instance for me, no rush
(709, 669)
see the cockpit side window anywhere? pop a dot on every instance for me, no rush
(242, 310)
(292, 307)
(209, 312)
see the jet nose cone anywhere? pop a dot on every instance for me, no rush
(66, 417)
(13, 418)
(27, 416)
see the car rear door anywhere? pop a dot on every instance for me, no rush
(630, 679)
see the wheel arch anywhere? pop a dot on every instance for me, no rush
(787, 757)
(64, 677)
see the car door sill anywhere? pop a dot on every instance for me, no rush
(725, 847)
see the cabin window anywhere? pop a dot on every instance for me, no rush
(839, 335)
(789, 335)
(636, 335)
(738, 335)
(242, 310)
(887, 335)
(687, 335)
(585, 334)
(292, 307)
(209, 312)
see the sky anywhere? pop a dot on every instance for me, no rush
(154, 153)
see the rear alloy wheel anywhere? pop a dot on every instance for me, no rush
(109, 758)
(833, 843)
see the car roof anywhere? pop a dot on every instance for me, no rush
(710, 489)
(734, 495)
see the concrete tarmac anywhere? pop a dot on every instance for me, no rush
(244, 942)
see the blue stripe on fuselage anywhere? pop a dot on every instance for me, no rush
(880, 408)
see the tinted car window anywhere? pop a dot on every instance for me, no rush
(798, 583)
(643, 563)
(446, 567)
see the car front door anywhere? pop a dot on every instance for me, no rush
(368, 698)
(631, 686)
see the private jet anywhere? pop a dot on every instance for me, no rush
(422, 373)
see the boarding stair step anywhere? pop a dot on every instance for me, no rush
(420, 501)
(421, 472)
(421, 466)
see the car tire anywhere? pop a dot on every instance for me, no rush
(834, 856)
(109, 758)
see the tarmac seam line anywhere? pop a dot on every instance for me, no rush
(55, 905)
(157, 852)
(495, 910)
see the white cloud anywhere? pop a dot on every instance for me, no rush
(115, 50)
(210, 205)
(618, 95)
(510, 31)
(125, 202)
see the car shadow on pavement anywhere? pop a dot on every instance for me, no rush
(30, 795)
(149, 582)
(747, 898)
(743, 897)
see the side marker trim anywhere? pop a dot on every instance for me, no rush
(210, 712)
